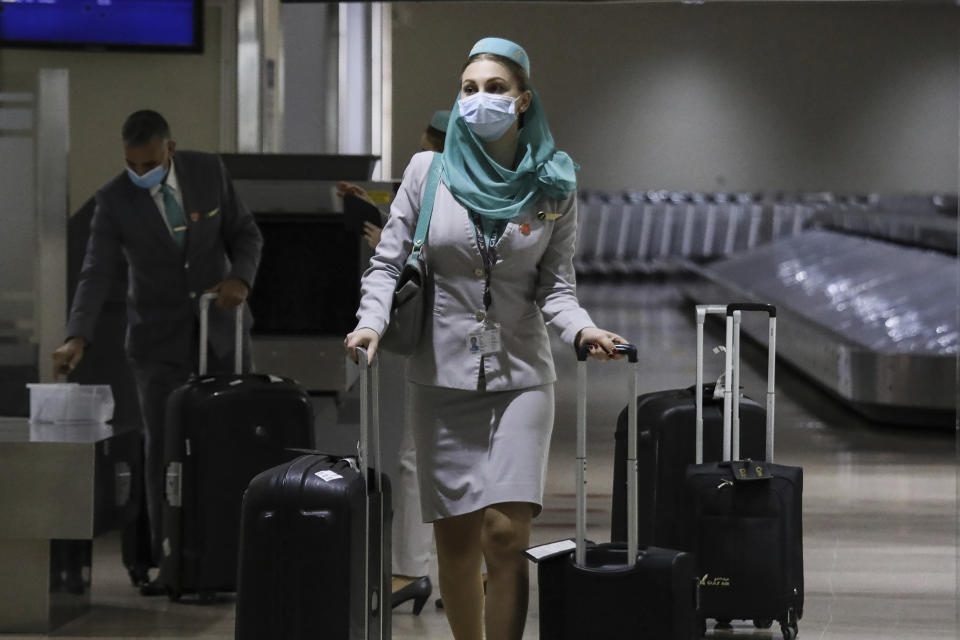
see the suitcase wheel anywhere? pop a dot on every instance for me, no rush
(788, 626)
(763, 623)
(173, 594)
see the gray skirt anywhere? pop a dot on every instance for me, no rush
(478, 448)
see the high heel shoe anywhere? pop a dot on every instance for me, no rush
(419, 591)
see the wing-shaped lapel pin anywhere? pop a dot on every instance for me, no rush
(549, 217)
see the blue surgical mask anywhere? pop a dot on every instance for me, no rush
(489, 115)
(150, 179)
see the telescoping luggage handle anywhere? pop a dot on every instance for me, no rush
(205, 301)
(731, 402)
(369, 414)
(581, 475)
(370, 424)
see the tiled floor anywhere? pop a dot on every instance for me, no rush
(880, 503)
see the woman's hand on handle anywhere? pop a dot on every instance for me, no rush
(601, 343)
(362, 337)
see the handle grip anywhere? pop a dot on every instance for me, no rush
(583, 350)
(362, 355)
(752, 306)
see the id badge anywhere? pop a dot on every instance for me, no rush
(484, 341)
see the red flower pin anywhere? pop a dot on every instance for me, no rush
(525, 228)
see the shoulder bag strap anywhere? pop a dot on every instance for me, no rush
(426, 206)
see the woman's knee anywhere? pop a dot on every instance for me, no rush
(506, 528)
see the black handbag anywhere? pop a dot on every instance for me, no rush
(408, 311)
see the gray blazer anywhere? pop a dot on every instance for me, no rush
(533, 286)
(165, 283)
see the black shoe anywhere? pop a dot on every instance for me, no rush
(153, 588)
(138, 576)
(419, 591)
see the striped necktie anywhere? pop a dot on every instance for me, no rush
(175, 216)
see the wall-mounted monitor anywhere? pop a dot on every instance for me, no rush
(129, 25)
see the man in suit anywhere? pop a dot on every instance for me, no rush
(175, 217)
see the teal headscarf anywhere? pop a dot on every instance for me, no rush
(440, 119)
(493, 191)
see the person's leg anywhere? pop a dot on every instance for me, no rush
(506, 534)
(458, 562)
(155, 382)
(411, 537)
(515, 475)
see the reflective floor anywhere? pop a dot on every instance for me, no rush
(880, 514)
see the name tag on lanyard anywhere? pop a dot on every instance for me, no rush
(484, 341)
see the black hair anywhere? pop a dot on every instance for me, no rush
(143, 126)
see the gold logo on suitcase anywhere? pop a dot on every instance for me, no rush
(716, 581)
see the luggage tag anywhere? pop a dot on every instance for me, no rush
(484, 341)
(326, 475)
(550, 550)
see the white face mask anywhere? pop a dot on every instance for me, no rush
(488, 115)
(150, 179)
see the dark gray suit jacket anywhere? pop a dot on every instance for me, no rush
(165, 283)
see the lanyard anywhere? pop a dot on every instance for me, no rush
(488, 255)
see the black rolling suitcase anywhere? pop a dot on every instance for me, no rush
(221, 431)
(315, 543)
(613, 591)
(666, 444)
(745, 521)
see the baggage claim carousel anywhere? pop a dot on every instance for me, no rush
(866, 288)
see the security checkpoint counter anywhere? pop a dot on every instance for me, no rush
(61, 485)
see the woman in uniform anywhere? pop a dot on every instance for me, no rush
(499, 253)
